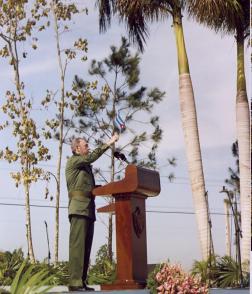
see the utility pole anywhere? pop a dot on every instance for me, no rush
(48, 246)
(211, 247)
(238, 233)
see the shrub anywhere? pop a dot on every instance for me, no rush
(152, 283)
(10, 262)
(59, 272)
(228, 273)
(27, 281)
(103, 271)
(221, 272)
(206, 270)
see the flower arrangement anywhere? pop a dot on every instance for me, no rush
(171, 279)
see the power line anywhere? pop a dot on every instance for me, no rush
(107, 171)
(148, 211)
(181, 212)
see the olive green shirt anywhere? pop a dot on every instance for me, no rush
(80, 182)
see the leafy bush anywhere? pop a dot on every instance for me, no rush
(26, 281)
(228, 273)
(171, 279)
(103, 271)
(152, 283)
(10, 262)
(222, 272)
(59, 272)
(205, 270)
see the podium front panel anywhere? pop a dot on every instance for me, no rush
(131, 237)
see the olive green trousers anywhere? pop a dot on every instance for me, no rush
(80, 243)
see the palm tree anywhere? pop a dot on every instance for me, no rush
(136, 14)
(233, 17)
(228, 273)
(205, 270)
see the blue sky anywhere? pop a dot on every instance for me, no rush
(170, 235)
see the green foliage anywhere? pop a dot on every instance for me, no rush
(222, 272)
(61, 273)
(16, 28)
(30, 149)
(118, 91)
(205, 270)
(120, 73)
(201, 269)
(224, 16)
(103, 271)
(26, 281)
(152, 283)
(228, 273)
(63, 15)
(234, 174)
(9, 264)
(58, 272)
(136, 15)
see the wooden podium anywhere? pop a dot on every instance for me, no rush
(130, 194)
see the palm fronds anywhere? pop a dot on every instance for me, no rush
(136, 15)
(222, 272)
(223, 16)
(27, 282)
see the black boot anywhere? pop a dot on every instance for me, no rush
(76, 288)
(87, 288)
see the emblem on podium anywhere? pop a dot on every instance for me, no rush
(138, 221)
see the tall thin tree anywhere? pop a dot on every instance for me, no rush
(17, 28)
(62, 14)
(119, 74)
(136, 14)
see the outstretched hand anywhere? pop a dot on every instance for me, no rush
(113, 139)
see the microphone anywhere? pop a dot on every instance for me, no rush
(120, 156)
(117, 154)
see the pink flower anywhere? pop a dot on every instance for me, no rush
(173, 280)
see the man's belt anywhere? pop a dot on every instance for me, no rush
(74, 194)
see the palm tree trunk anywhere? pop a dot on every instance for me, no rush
(227, 227)
(28, 223)
(191, 137)
(243, 137)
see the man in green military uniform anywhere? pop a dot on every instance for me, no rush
(81, 209)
